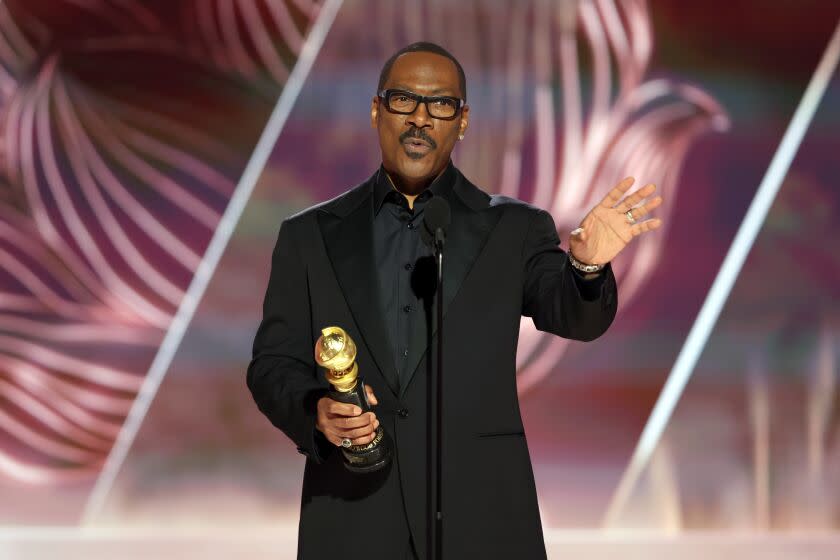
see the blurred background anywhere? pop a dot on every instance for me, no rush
(126, 132)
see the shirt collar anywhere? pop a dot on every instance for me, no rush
(383, 186)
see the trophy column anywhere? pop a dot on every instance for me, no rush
(335, 351)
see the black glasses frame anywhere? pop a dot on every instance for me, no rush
(386, 94)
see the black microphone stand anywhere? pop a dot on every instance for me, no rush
(436, 416)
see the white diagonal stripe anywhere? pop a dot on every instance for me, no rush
(722, 286)
(208, 264)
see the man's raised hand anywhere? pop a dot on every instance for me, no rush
(607, 229)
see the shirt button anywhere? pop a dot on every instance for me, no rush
(403, 412)
(410, 225)
(407, 266)
(407, 308)
(405, 352)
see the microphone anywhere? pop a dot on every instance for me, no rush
(436, 218)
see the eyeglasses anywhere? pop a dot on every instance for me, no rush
(405, 103)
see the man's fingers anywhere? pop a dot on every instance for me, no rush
(361, 436)
(335, 437)
(365, 439)
(645, 208)
(343, 409)
(352, 422)
(359, 432)
(647, 225)
(636, 198)
(614, 196)
(343, 420)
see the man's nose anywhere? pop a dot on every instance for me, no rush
(420, 118)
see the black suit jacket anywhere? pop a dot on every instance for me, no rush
(502, 261)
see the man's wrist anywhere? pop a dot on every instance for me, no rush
(588, 270)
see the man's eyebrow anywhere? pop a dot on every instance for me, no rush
(439, 91)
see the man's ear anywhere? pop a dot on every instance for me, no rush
(374, 112)
(465, 120)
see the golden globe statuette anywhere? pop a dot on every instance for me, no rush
(336, 352)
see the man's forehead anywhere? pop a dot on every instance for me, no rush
(424, 72)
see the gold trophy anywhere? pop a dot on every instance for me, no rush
(336, 352)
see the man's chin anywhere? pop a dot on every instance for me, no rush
(413, 167)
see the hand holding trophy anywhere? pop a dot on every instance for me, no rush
(336, 352)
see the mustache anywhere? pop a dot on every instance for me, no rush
(419, 133)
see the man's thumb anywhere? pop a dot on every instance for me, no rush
(371, 397)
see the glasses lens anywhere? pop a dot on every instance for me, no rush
(401, 103)
(443, 107)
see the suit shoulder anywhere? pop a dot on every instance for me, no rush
(339, 205)
(519, 207)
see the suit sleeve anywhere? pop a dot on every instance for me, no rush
(560, 300)
(283, 376)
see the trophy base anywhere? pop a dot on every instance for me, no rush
(368, 467)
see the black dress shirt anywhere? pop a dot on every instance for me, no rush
(405, 266)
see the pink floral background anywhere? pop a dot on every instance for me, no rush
(125, 128)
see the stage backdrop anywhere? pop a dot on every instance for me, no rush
(134, 256)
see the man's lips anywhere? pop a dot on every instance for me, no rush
(416, 145)
(417, 142)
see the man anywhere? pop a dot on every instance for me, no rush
(358, 262)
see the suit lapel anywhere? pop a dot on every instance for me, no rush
(472, 222)
(348, 236)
